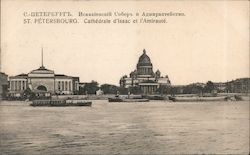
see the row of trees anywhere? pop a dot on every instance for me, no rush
(93, 86)
(209, 87)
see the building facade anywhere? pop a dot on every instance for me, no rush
(221, 87)
(3, 85)
(43, 80)
(241, 85)
(144, 77)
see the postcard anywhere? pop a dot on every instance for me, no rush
(124, 77)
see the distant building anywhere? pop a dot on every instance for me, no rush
(43, 80)
(241, 85)
(144, 77)
(3, 84)
(221, 87)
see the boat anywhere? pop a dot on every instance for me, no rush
(119, 99)
(78, 102)
(61, 103)
(200, 99)
(155, 97)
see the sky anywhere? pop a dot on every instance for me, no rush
(211, 42)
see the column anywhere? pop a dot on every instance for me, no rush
(77, 86)
(21, 85)
(14, 82)
(10, 85)
(15, 85)
(63, 85)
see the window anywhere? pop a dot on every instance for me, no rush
(19, 85)
(23, 85)
(59, 85)
(15, 83)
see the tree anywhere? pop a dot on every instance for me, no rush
(193, 89)
(123, 91)
(28, 94)
(109, 89)
(90, 88)
(164, 89)
(135, 90)
(209, 87)
(173, 91)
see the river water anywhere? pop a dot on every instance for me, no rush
(157, 127)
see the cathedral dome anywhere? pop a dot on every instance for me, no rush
(144, 60)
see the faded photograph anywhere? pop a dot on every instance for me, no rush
(124, 77)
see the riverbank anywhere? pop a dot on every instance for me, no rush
(245, 97)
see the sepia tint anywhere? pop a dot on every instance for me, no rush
(124, 77)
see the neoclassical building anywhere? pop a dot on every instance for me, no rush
(144, 76)
(43, 80)
(3, 84)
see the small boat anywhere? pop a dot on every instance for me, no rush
(61, 103)
(78, 102)
(119, 99)
(198, 99)
(155, 97)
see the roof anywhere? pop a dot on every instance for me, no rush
(20, 76)
(62, 76)
(42, 70)
(76, 78)
(3, 74)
